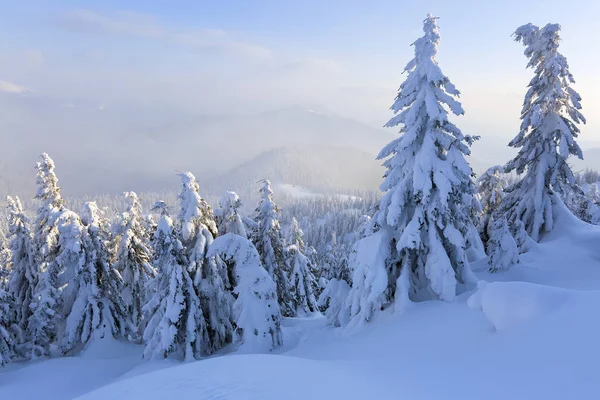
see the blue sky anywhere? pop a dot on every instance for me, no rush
(243, 56)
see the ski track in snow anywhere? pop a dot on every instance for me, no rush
(530, 333)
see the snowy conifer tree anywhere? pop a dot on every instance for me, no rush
(270, 246)
(98, 309)
(417, 250)
(502, 246)
(333, 301)
(45, 306)
(8, 339)
(133, 258)
(197, 228)
(255, 311)
(5, 262)
(175, 323)
(490, 188)
(550, 116)
(302, 282)
(229, 219)
(23, 278)
(295, 235)
(48, 192)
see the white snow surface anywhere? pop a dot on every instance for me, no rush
(528, 333)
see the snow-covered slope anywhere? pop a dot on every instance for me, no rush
(246, 377)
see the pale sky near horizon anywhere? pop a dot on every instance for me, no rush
(246, 56)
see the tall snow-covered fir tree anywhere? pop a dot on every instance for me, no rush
(271, 247)
(5, 261)
(229, 219)
(490, 188)
(302, 281)
(98, 309)
(546, 139)
(8, 339)
(417, 246)
(303, 284)
(133, 257)
(256, 312)
(23, 277)
(175, 324)
(502, 247)
(52, 204)
(197, 229)
(295, 235)
(45, 306)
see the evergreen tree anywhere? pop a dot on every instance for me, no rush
(550, 116)
(295, 235)
(417, 248)
(302, 282)
(133, 258)
(5, 262)
(229, 219)
(175, 323)
(333, 301)
(52, 204)
(46, 303)
(255, 311)
(98, 310)
(23, 278)
(270, 246)
(8, 339)
(490, 188)
(502, 246)
(197, 229)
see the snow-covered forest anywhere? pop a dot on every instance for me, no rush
(495, 275)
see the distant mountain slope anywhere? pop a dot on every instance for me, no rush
(313, 167)
(228, 140)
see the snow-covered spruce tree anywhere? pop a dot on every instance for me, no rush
(417, 246)
(175, 325)
(23, 277)
(256, 312)
(295, 235)
(133, 258)
(229, 219)
(52, 204)
(503, 249)
(302, 281)
(197, 230)
(583, 205)
(550, 116)
(490, 188)
(45, 306)
(5, 261)
(271, 248)
(8, 339)
(98, 309)
(333, 299)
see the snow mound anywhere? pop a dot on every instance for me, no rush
(243, 377)
(506, 304)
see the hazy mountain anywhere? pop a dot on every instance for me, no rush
(100, 149)
(318, 168)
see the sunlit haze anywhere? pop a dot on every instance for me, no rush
(89, 81)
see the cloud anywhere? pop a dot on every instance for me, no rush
(8, 87)
(122, 23)
(216, 41)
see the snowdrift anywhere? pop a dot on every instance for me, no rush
(243, 377)
(506, 304)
